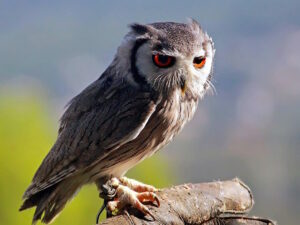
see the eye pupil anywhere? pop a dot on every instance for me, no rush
(163, 58)
(199, 62)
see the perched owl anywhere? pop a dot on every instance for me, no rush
(140, 102)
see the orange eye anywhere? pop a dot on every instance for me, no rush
(163, 61)
(199, 62)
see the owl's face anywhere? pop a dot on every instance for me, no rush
(171, 56)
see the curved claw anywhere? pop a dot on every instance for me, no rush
(151, 215)
(148, 197)
(147, 212)
(155, 199)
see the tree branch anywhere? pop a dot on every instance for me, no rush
(220, 202)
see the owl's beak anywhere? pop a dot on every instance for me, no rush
(183, 84)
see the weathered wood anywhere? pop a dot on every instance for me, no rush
(205, 203)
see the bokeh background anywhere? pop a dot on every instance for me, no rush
(50, 51)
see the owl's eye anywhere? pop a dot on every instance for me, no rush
(199, 62)
(163, 61)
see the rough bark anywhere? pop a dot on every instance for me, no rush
(214, 203)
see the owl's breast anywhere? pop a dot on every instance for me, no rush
(168, 120)
(172, 114)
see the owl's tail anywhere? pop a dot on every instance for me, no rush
(50, 201)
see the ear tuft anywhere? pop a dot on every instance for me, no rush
(139, 28)
(194, 25)
(148, 30)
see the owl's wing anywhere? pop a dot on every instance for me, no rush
(106, 115)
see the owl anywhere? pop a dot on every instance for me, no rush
(140, 102)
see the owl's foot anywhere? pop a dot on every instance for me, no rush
(129, 192)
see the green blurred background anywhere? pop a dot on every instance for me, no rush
(50, 51)
(27, 133)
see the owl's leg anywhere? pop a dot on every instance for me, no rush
(131, 193)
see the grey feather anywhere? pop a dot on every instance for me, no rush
(91, 128)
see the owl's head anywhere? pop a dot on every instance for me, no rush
(168, 56)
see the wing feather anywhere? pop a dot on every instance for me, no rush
(104, 116)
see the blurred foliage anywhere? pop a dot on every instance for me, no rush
(26, 135)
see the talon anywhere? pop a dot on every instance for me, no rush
(146, 211)
(157, 200)
(151, 215)
(148, 197)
